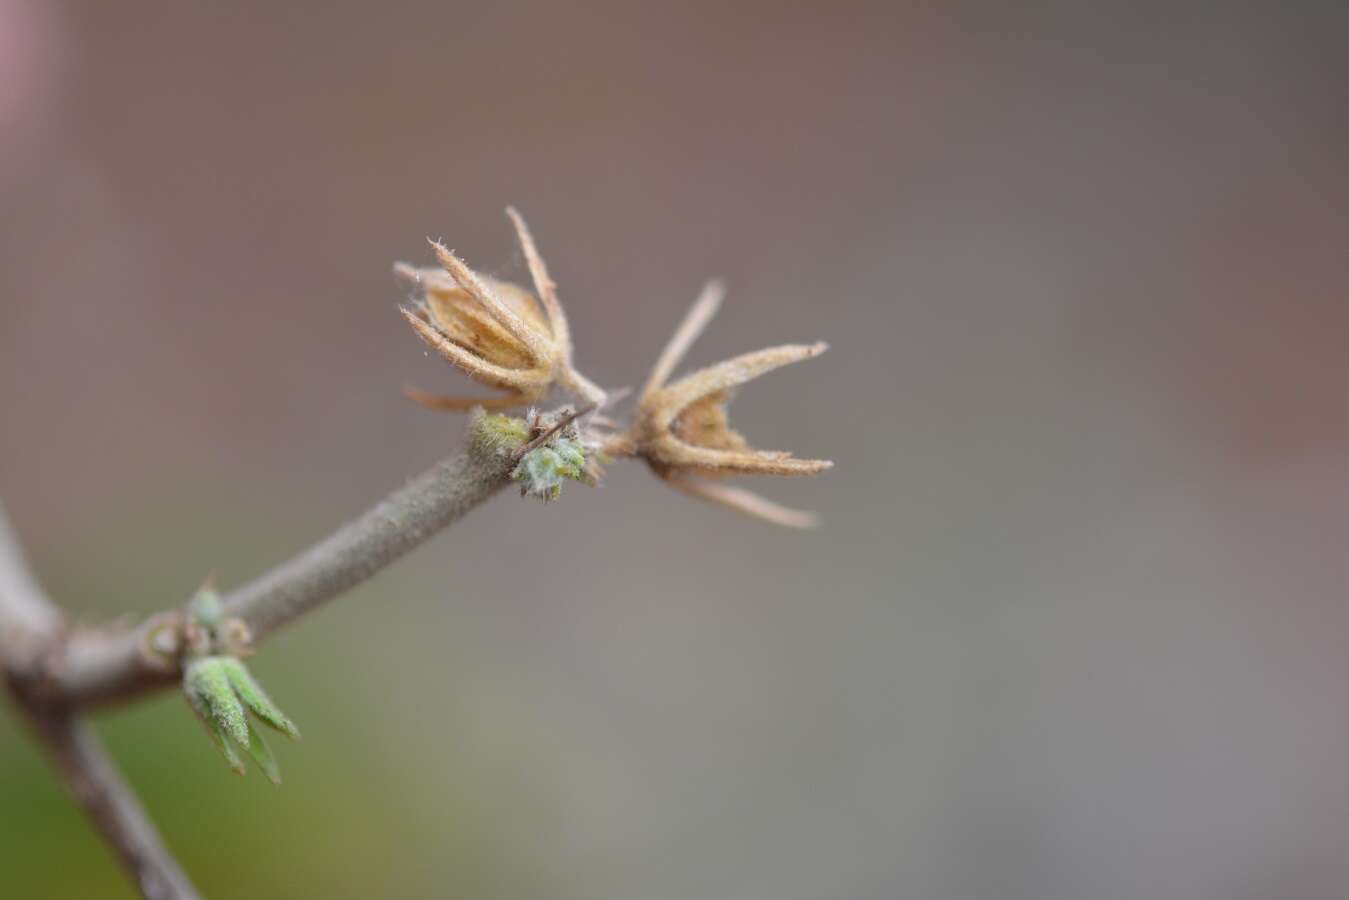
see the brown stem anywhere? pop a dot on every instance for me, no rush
(28, 624)
(111, 804)
(98, 668)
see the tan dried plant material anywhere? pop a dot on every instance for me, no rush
(498, 333)
(683, 432)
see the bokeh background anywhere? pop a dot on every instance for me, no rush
(1075, 625)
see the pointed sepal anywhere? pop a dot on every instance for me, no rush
(256, 699)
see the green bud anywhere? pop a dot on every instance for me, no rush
(262, 755)
(572, 456)
(256, 699)
(204, 607)
(542, 470)
(221, 691)
(224, 744)
(208, 687)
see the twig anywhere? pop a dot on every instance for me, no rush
(92, 779)
(28, 621)
(98, 668)
(53, 671)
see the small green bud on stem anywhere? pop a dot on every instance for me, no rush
(221, 690)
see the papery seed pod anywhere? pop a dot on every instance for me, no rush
(683, 432)
(468, 327)
(496, 332)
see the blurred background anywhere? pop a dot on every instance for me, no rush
(1075, 623)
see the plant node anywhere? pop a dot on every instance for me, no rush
(221, 690)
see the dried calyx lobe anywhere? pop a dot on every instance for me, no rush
(497, 333)
(683, 432)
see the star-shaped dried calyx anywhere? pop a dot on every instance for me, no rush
(683, 432)
(221, 690)
(496, 332)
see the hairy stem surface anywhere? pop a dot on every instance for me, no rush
(97, 668)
